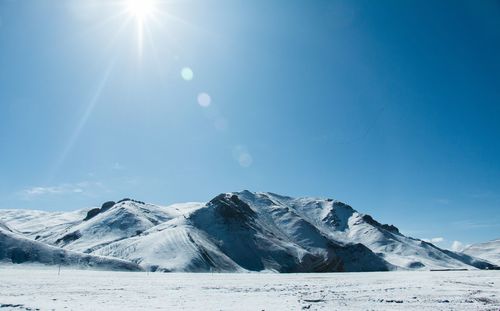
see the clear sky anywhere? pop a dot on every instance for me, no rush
(390, 106)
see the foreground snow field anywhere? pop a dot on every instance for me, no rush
(31, 288)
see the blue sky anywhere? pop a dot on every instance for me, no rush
(390, 106)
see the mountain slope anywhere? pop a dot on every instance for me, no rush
(342, 223)
(172, 247)
(32, 223)
(488, 250)
(112, 222)
(4, 227)
(18, 249)
(277, 239)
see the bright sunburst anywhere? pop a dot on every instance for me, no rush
(141, 9)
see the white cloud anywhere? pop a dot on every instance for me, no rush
(458, 246)
(62, 189)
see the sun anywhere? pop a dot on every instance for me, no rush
(141, 9)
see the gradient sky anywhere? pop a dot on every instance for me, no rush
(390, 106)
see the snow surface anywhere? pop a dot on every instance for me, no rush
(32, 288)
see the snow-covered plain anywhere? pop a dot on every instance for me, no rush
(33, 288)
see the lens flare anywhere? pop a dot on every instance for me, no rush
(187, 73)
(204, 100)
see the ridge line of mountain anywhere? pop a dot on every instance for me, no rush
(233, 232)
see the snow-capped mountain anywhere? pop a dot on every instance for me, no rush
(342, 223)
(488, 250)
(112, 222)
(18, 249)
(31, 222)
(240, 231)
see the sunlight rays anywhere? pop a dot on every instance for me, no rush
(141, 11)
(83, 120)
(143, 17)
(148, 19)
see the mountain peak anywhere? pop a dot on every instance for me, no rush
(230, 206)
(107, 206)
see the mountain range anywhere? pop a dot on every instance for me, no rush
(234, 232)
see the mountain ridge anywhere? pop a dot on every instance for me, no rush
(238, 232)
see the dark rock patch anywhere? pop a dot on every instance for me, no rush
(231, 207)
(96, 211)
(373, 222)
(70, 237)
(92, 213)
(107, 205)
(18, 256)
(130, 200)
(416, 265)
